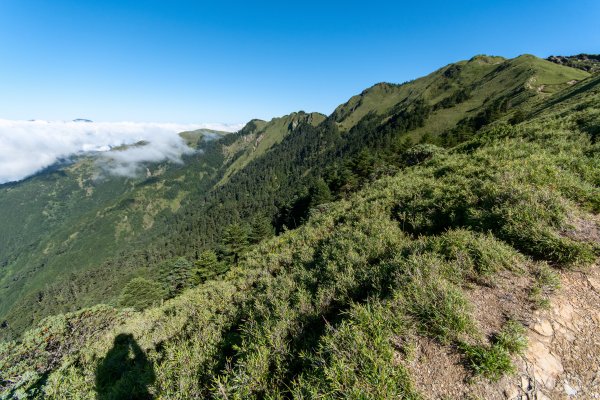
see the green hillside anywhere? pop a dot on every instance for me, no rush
(195, 138)
(255, 141)
(268, 174)
(406, 248)
(480, 80)
(309, 253)
(61, 222)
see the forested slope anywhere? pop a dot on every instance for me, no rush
(254, 186)
(73, 216)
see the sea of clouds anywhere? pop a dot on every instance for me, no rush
(27, 147)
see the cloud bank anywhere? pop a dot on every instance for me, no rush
(27, 147)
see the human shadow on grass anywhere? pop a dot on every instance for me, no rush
(125, 372)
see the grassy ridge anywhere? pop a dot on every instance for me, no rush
(135, 225)
(329, 310)
(484, 78)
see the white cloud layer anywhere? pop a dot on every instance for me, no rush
(26, 147)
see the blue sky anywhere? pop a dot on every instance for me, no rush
(228, 61)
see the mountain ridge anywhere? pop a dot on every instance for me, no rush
(442, 101)
(399, 256)
(185, 228)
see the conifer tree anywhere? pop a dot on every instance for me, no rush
(261, 229)
(235, 241)
(207, 267)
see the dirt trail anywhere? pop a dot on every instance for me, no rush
(563, 357)
(562, 360)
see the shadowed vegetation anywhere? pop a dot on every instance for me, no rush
(125, 372)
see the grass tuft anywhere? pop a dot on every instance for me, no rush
(511, 337)
(546, 282)
(490, 361)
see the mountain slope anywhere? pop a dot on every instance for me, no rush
(62, 221)
(273, 171)
(257, 139)
(481, 79)
(454, 251)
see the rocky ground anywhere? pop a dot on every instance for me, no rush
(563, 357)
(562, 360)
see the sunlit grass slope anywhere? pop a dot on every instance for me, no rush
(332, 308)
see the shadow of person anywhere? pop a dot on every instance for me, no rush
(125, 372)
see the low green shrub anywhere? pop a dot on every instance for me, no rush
(511, 337)
(475, 255)
(141, 293)
(437, 306)
(356, 360)
(490, 361)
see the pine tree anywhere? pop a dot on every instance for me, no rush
(176, 275)
(235, 241)
(318, 193)
(207, 267)
(261, 229)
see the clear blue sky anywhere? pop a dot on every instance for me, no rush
(228, 61)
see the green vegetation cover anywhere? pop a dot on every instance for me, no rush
(310, 267)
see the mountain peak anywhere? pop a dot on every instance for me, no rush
(486, 59)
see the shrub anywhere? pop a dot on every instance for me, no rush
(141, 293)
(420, 153)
